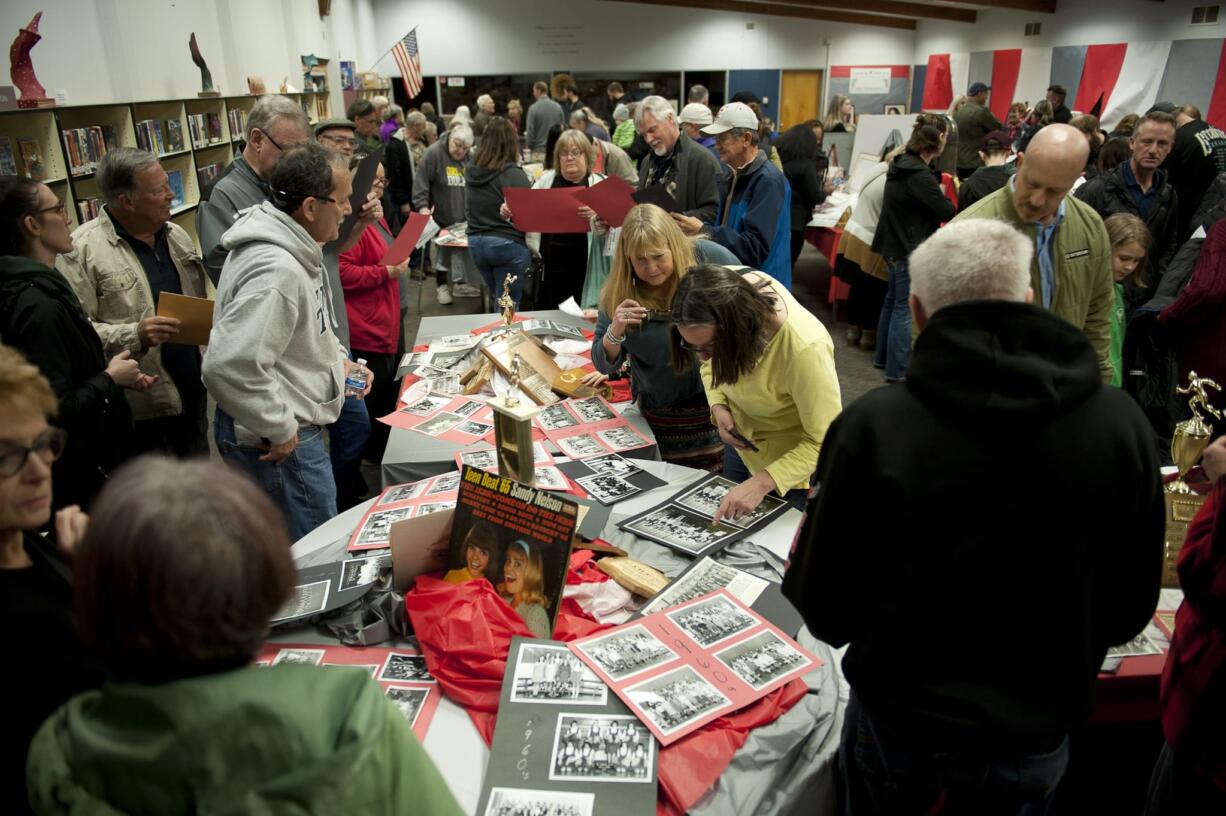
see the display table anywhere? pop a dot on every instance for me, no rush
(411, 456)
(786, 767)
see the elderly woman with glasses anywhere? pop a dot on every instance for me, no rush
(41, 316)
(767, 366)
(35, 593)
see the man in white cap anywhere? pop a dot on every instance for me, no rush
(754, 218)
(694, 117)
(676, 163)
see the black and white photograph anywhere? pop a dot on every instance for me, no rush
(555, 417)
(761, 659)
(524, 802)
(455, 341)
(447, 359)
(713, 620)
(434, 507)
(576, 447)
(408, 700)
(306, 599)
(370, 668)
(552, 674)
(413, 358)
(302, 657)
(675, 699)
(427, 405)
(770, 505)
(361, 571)
(440, 380)
(678, 527)
(566, 330)
(549, 478)
(445, 483)
(592, 409)
(705, 498)
(439, 424)
(486, 460)
(607, 488)
(706, 576)
(627, 652)
(1142, 644)
(469, 408)
(613, 464)
(378, 526)
(473, 428)
(403, 492)
(405, 668)
(622, 438)
(601, 748)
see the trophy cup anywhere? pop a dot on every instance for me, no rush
(513, 432)
(1189, 442)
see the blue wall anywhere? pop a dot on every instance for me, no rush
(765, 83)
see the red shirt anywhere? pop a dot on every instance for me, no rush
(372, 298)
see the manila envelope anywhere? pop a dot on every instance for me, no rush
(420, 544)
(195, 317)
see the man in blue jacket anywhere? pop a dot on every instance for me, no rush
(754, 217)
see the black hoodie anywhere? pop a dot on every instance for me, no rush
(982, 534)
(485, 198)
(912, 207)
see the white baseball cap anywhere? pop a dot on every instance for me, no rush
(733, 115)
(695, 113)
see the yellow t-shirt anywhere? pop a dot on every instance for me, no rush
(786, 403)
(459, 576)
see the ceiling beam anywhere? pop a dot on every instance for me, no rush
(777, 10)
(893, 8)
(1036, 6)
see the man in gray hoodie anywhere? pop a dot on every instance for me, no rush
(274, 363)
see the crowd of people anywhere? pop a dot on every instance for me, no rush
(1032, 319)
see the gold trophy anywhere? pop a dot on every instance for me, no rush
(513, 431)
(1189, 442)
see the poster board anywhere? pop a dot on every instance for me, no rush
(873, 130)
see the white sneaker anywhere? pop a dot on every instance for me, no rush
(444, 295)
(466, 290)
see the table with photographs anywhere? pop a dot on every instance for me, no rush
(787, 766)
(411, 456)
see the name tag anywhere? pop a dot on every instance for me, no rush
(1075, 254)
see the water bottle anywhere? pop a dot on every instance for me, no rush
(355, 380)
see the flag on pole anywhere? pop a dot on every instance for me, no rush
(409, 63)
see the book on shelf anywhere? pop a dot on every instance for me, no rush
(88, 209)
(206, 173)
(174, 135)
(84, 147)
(149, 136)
(32, 158)
(8, 167)
(175, 177)
(214, 127)
(238, 123)
(348, 76)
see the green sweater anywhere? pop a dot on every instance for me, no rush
(1082, 252)
(281, 740)
(1117, 336)
(623, 136)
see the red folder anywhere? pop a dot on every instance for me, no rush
(610, 199)
(406, 241)
(549, 210)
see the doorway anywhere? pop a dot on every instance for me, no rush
(800, 95)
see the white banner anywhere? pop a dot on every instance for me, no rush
(870, 80)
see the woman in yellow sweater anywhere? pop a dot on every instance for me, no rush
(767, 366)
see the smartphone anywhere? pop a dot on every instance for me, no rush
(739, 437)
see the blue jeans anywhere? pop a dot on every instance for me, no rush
(347, 439)
(496, 257)
(894, 327)
(301, 485)
(735, 471)
(886, 772)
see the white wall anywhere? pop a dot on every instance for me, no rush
(459, 37)
(102, 51)
(1076, 22)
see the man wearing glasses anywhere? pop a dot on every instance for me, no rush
(274, 364)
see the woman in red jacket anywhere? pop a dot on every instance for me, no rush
(372, 302)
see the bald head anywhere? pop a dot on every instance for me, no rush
(1051, 165)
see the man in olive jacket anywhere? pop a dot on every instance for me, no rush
(1071, 271)
(974, 121)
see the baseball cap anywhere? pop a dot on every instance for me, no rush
(747, 97)
(977, 88)
(695, 113)
(996, 140)
(332, 124)
(1165, 107)
(732, 115)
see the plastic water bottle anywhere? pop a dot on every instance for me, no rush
(355, 381)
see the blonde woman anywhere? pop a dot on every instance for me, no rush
(841, 116)
(523, 586)
(1130, 242)
(651, 257)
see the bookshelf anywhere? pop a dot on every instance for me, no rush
(67, 141)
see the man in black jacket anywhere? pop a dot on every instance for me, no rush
(683, 167)
(1198, 156)
(1056, 95)
(1139, 187)
(993, 174)
(959, 515)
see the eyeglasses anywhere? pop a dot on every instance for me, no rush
(570, 154)
(60, 208)
(49, 446)
(347, 141)
(292, 194)
(705, 348)
(271, 139)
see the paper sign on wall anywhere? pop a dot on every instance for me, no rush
(870, 80)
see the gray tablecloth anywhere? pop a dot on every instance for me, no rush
(411, 456)
(786, 767)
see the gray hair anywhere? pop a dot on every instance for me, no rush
(117, 171)
(392, 111)
(754, 136)
(621, 113)
(273, 108)
(379, 101)
(482, 98)
(415, 119)
(460, 132)
(978, 259)
(659, 108)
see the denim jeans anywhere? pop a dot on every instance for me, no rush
(496, 257)
(735, 471)
(886, 772)
(301, 485)
(894, 327)
(347, 438)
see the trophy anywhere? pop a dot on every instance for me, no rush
(1189, 442)
(513, 431)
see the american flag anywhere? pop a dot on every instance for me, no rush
(409, 63)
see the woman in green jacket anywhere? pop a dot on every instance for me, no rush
(1130, 242)
(175, 587)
